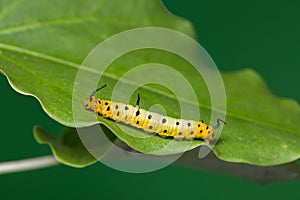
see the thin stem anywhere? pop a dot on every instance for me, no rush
(27, 164)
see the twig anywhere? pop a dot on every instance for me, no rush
(27, 164)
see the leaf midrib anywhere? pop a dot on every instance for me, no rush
(85, 68)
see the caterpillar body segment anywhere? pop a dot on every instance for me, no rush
(150, 121)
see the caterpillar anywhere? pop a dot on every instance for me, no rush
(152, 122)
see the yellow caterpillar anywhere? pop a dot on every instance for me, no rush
(149, 121)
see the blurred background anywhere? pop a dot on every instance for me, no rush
(262, 35)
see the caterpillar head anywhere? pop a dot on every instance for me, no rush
(90, 103)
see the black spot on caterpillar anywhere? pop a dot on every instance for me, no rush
(149, 121)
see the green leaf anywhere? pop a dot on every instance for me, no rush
(262, 128)
(41, 53)
(69, 149)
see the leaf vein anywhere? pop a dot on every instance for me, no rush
(12, 7)
(37, 24)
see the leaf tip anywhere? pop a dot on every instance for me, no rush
(42, 136)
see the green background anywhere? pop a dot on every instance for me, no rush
(262, 35)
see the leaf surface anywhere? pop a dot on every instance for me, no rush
(41, 53)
